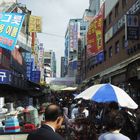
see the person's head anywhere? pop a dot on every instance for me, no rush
(114, 120)
(81, 107)
(54, 115)
(114, 106)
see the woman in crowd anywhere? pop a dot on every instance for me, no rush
(114, 123)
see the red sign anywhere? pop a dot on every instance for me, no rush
(95, 34)
(17, 56)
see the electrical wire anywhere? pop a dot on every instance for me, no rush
(50, 34)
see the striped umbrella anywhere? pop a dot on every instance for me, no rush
(104, 93)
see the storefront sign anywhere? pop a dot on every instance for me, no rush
(118, 25)
(4, 77)
(132, 27)
(135, 7)
(10, 25)
(35, 76)
(109, 34)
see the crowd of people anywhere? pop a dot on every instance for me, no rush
(86, 120)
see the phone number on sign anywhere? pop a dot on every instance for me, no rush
(6, 41)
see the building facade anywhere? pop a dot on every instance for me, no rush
(74, 34)
(95, 5)
(121, 63)
(49, 64)
(19, 76)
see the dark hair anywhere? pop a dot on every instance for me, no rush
(52, 112)
(114, 120)
(114, 105)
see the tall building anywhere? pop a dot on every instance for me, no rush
(75, 32)
(71, 46)
(49, 64)
(62, 66)
(94, 6)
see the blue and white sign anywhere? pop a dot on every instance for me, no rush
(10, 25)
(132, 27)
(5, 77)
(35, 76)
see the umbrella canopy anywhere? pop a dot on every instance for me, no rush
(69, 89)
(103, 93)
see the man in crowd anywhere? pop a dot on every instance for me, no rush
(53, 121)
(80, 110)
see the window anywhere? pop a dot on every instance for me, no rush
(82, 27)
(110, 17)
(105, 54)
(123, 41)
(104, 25)
(124, 3)
(117, 47)
(117, 10)
(110, 52)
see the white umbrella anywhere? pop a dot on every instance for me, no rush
(69, 89)
(103, 93)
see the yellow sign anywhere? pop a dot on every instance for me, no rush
(35, 24)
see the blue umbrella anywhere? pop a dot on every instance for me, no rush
(103, 93)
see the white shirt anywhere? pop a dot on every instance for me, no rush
(76, 111)
(113, 136)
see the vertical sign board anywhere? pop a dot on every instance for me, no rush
(35, 24)
(28, 70)
(10, 25)
(35, 76)
(73, 30)
(95, 38)
(27, 57)
(131, 27)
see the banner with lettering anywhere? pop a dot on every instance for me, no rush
(10, 25)
(35, 24)
(95, 35)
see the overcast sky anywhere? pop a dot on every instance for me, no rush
(56, 15)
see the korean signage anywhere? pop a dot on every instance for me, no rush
(132, 27)
(95, 35)
(120, 23)
(10, 25)
(35, 24)
(35, 76)
(73, 31)
(28, 70)
(40, 55)
(5, 77)
(109, 34)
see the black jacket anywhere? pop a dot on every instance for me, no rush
(44, 133)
